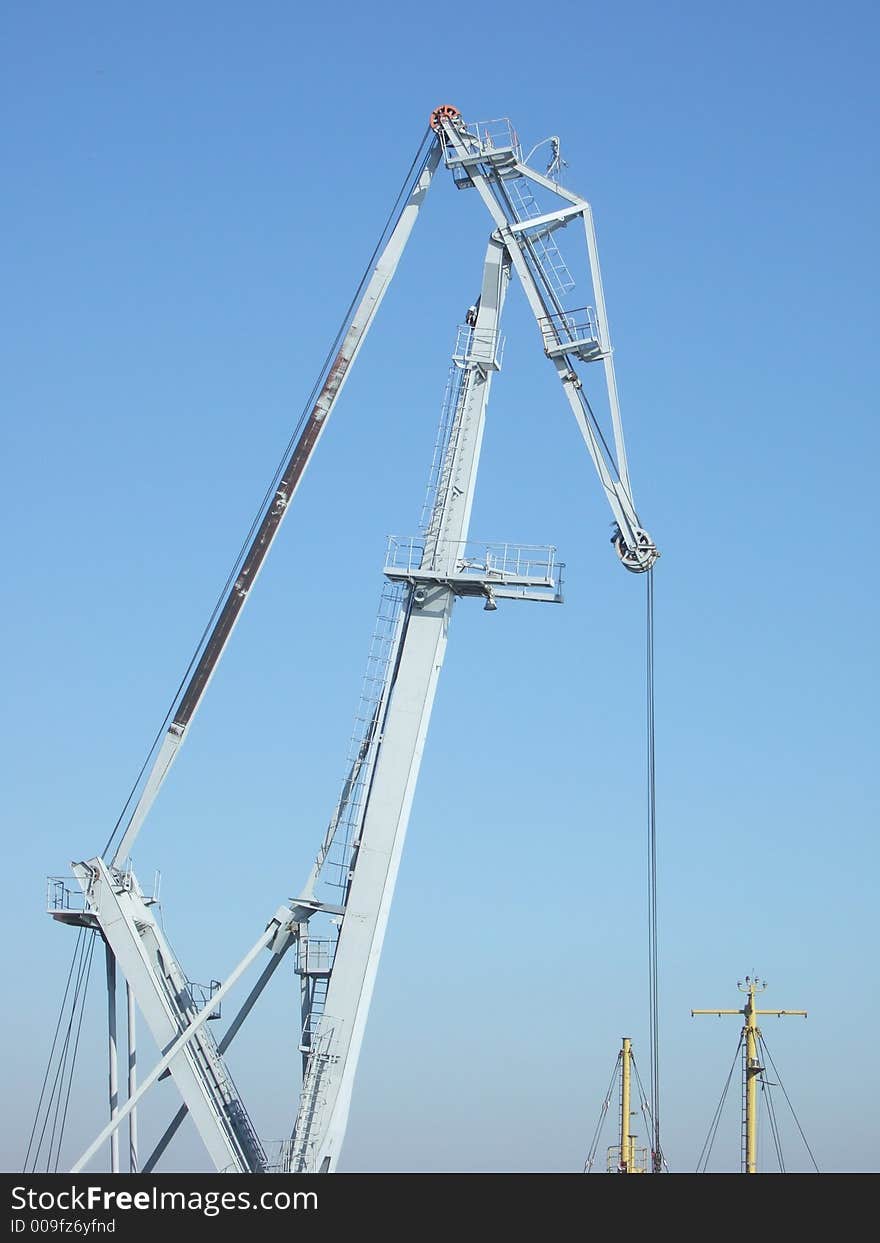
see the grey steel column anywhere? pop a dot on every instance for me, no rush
(132, 1082)
(113, 1069)
(329, 1077)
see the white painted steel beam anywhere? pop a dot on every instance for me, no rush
(358, 327)
(329, 1076)
(162, 991)
(637, 551)
(180, 1046)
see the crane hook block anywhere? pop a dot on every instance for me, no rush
(445, 112)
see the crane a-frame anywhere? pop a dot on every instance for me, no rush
(336, 926)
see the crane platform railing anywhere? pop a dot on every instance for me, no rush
(572, 332)
(202, 996)
(470, 567)
(495, 141)
(315, 955)
(481, 347)
(62, 897)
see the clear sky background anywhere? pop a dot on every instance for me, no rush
(190, 195)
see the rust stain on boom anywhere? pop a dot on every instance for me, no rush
(266, 533)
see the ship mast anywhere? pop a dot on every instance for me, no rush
(752, 1068)
(627, 1140)
(625, 1157)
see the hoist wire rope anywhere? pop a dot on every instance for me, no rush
(73, 962)
(591, 1155)
(415, 171)
(549, 299)
(788, 1102)
(65, 1066)
(645, 1104)
(72, 1068)
(716, 1117)
(80, 967)
(50, 1102)
(653, 948)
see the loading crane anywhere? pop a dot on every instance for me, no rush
(336, 925)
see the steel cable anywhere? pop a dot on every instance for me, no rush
(771, 1114)
(62, 1072)
(653, 949)
(79, 969)
(716, 1118)
(645, 1105)
(788, 1102)
(588, 1164)
(76, 952)
(82, 1010)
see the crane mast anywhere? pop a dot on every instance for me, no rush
(437, 569)
(338, 937)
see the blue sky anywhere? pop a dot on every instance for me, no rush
(191, 194)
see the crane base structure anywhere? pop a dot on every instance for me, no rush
(336, 927)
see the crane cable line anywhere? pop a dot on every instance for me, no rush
(415, 170)
(67, 1063)
(73, 964)
(657, 1159)
(72, 1068)
(79, 974)
(645, 1105)
(653, 949)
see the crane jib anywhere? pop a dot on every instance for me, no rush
(268, 528)
(359, 316)
(256, 554)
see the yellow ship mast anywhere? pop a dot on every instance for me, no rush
(626, 1158)
(753, 1068)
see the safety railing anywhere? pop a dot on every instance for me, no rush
(500, 561)
(478, 346)
(489, 140)
(203, 994)
(314, 957)
(574, 331)
(62, 896)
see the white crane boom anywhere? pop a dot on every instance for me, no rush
(359, 321)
